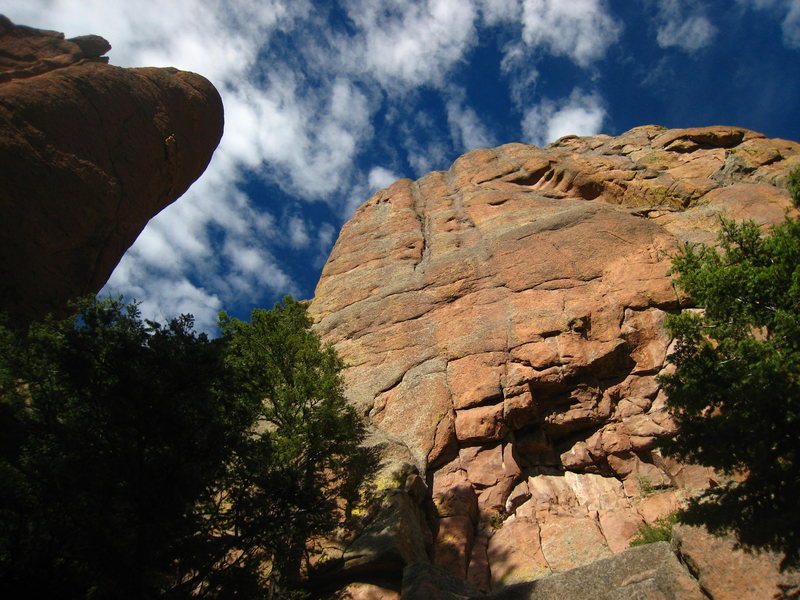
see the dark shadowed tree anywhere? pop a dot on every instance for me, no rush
(143, 461)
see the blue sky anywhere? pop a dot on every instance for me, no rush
(328, 101)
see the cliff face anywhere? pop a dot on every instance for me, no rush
(503, 326)
(89, 153)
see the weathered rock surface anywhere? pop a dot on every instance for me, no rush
(89, 152)
(728, 573)
(649, 572)
(503, 323)
(422, 581)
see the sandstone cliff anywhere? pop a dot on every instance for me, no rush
(89, 153)
(503, 326)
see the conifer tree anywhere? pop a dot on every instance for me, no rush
(735, 392)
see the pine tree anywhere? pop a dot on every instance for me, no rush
(735, 391)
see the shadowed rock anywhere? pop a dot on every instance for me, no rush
(89, 153)
(649, 572)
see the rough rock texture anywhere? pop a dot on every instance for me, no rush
(727, 573)
(649, 572)
(503, 326)
(90, 152)
(423, 581)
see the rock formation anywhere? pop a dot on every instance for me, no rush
(503, 326)
(89, 153)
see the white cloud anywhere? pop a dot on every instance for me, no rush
(424, 153)
(686, 32)
(325, 237)
(380, 177)
(787, 10)
(298, 119)
(219, 41)
(579, 29)
(466, 127)
(499, 11)
(297, 229)
(580, 114)
(405, 45)
(791, 26)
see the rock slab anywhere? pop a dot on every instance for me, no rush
(650, 572)
(90, 152)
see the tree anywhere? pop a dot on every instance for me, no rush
(735, 391)
(315, 434)
(143, 461)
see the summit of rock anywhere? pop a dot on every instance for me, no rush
(90, 152)
(502, 322)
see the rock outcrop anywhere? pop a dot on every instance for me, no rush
(503, 326)
(89, 152)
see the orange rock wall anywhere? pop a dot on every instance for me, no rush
(503, 324)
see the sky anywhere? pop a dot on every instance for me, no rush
(327, 102)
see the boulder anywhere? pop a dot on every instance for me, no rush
(366, 591)
(649, 572)
(423, 581)
(90, 152)
(394, 537)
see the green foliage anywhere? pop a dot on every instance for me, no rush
(496, 520)
(143, 461)
(315, 458)
(645, 485)
(793, 185)
(659, 531)
(735, 394)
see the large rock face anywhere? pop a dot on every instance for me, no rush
(89, 153)
(503, 326)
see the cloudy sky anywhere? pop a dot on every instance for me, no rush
(328, 101)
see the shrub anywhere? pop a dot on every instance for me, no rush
(659, 531)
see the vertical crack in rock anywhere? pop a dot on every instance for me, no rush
(424, 225)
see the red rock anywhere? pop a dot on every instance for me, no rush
(727, 573)
(475, 379)
(650, 572)
(569, 542)
(494, 471)
(90, 152)
(453, 545)
(453, 495)
(619, 527)
(534, 280)
(658, 505)
(480, 424)
(478, 572)
(596, 492)
(414, 410)
(515, 554)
